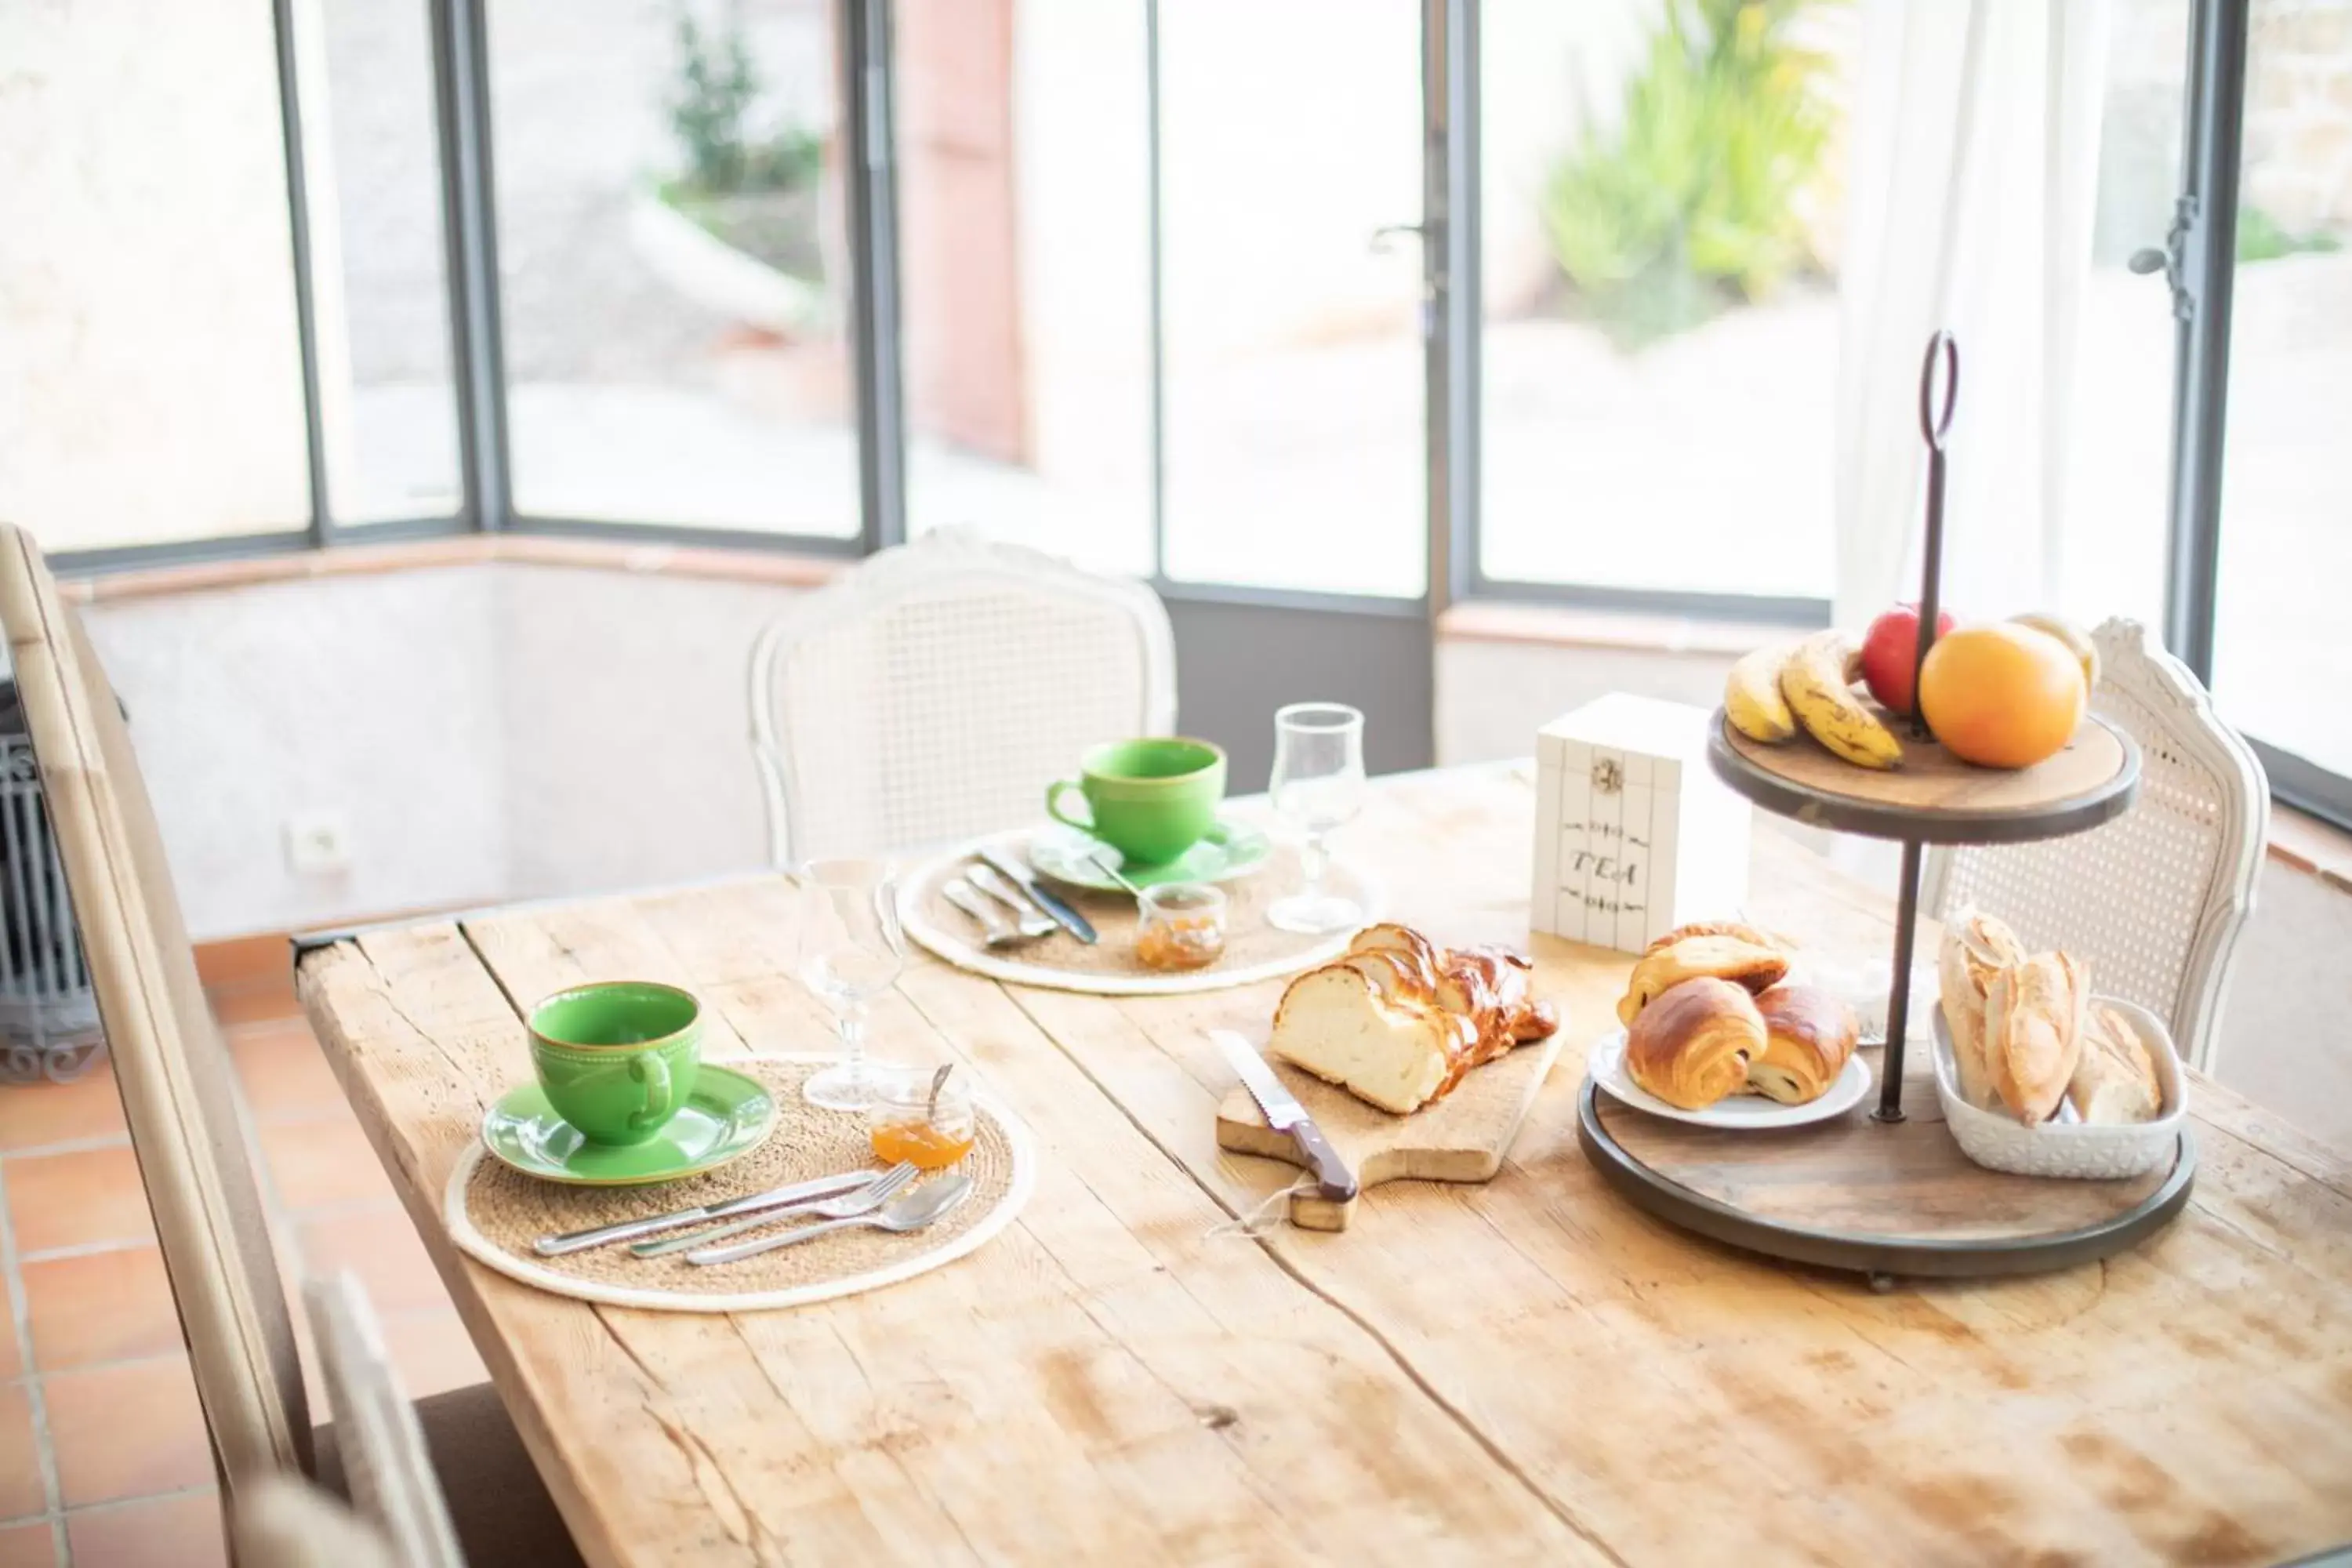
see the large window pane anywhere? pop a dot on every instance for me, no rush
(150, 386)
(1642, 384)
(1290, 133)
(671, 259)
(379, 262)
(2282, 645)
(1025, 277)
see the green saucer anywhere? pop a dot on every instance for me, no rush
(1231, 850)
(726, 1117)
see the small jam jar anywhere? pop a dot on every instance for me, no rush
(1179, 925)
(905, 1125)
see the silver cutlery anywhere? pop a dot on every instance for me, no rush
(1043, 897)
(775, 1197)
(1104, 864)
(870, 1197)
(1027, 917)
(995, 931)
(912, 1212)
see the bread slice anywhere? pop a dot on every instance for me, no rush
(2033, 1033)
(2114, 1079)
(1335, 1023)
(1976, 948)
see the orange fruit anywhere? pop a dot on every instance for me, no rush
(2002, 695)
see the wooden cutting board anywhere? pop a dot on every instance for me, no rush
(1462, 1138)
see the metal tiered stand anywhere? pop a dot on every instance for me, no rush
(1886, 1192)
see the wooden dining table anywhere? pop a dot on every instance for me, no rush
(1526, 1371)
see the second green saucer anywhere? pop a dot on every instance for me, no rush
(726, 1117)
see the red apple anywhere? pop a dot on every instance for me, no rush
(1890, 654)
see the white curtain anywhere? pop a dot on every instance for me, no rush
(1976, 151)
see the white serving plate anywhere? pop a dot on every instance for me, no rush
(1606, 1067)
(2073, 1150)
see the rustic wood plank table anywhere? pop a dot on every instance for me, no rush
(1525, 1371)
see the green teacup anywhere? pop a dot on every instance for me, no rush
(618, 1058)
(1151, 800)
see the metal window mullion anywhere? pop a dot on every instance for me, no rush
(2209, 172)
(470, 232)
(1452, 250)
(320, 529)
(1156, 286)
(867, 79)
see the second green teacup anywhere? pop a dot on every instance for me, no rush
(1151, 800)
(617, 1059)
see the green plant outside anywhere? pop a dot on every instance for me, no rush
(717, 88)
(1690, 201)
(2261, 238)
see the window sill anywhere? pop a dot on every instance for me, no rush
(2307, 844)
(652, 557)
(1559, 626)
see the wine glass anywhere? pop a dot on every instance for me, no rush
(850, 949)
(1318, 784)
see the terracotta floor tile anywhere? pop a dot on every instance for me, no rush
(284, 1074)
(127, 1431)
(32, 1114)
(20, 1455)
(323, 1160)
(28, 1546)
(184, 1531)
(105, 1306)
(255, 1004)
(69, 1200)
(433, 1353)
(12, 1354)
(382, 1248)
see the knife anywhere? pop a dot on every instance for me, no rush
(1335, 1182)
(752, 1203)
(1044, 898)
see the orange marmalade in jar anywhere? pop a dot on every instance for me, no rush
(908, 1123)
(1179, 925)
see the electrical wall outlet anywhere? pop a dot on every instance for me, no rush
(318, 843)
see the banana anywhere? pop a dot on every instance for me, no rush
(1813, 680)
(2076, 639)
(1751, 696)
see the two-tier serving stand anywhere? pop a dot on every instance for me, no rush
(1886, 1191)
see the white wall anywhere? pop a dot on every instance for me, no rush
(373, 697)
(487, 733)
(624, 726)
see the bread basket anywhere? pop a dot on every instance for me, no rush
(1997, 1140)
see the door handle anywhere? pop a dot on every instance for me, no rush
(1383, 239)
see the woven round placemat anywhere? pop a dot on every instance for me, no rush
(1255, 950)
(494, 1213)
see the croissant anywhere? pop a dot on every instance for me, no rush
(1691, 1045)
(2033, 1032)
(1745, 933)
(1715, 956)
(1976, 948)
(1808, 1036)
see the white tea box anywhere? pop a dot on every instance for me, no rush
(1635, 834)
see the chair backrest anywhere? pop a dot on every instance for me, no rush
(933, 691)
(173, 1074)
(2154, 901)
(377, 1435)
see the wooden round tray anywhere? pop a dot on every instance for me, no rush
(1934, 797)
(1881, 1198)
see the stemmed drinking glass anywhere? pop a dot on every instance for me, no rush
(850, 949)
(1318, 786)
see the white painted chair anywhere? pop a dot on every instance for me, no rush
(2154, 901)
(933, 692)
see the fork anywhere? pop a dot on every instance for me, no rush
(848, 1206)
(1028, 918)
